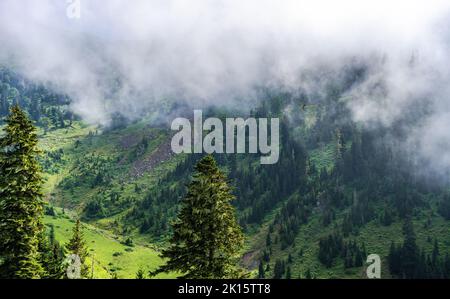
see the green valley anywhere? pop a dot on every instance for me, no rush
(339, 192)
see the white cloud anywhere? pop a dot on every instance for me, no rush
(214, 51)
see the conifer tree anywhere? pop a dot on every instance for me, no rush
(278, 269)
(52, 256)
(261, 272)
(206, 236)
(409, 250)
(77, 246)
(55, 268)
(308, 274)
(288, 273)
(21, 205)
(435, 254)
(140, 274)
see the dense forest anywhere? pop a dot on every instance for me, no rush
(47, 108)
(314, 214)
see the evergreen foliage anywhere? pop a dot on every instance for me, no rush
(206, 237)
(52, 256)
(410, 262)
(77, 246)
(21, 205)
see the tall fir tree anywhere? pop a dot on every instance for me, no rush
(77, 246)
(206, 236)
(21, 204)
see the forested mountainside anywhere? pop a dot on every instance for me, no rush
(49, 109)
(340, 191)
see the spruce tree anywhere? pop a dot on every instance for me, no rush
(21, 204)
(55, 268)
(278, 269)
(288, 273)
(308, 274)
(206, 236)
(261, 272)
(394, 259)
(77, 246)
(435, 254)
(52, 256)
(410, 251)
(140, 274)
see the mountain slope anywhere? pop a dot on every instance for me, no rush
(340, 191)
(112, 258)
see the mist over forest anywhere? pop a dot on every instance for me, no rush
(361, 89)
(127, 58)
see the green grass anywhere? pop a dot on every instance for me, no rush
(110, 255)
(61, 139)
(80, 141)
(375, 236)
